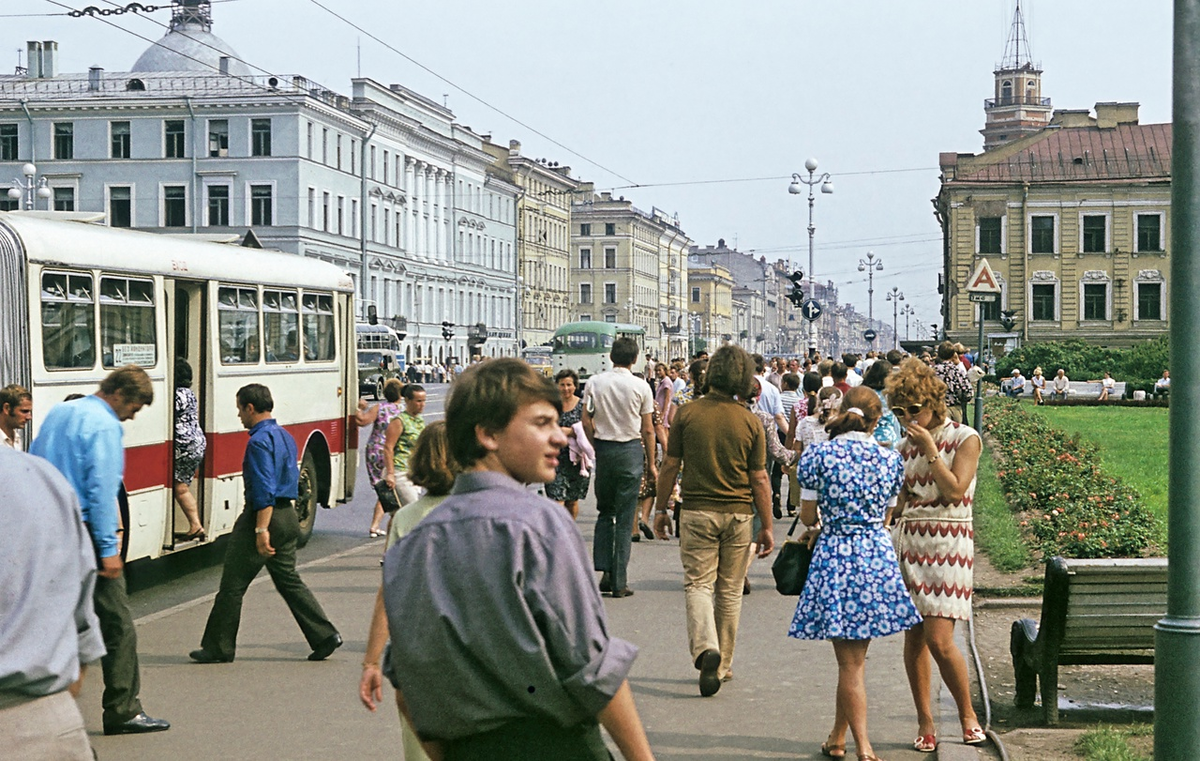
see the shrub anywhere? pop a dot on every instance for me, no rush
(1137, 366)
(1066, 502)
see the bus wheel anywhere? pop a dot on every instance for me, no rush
(306, 502)
(379, 389)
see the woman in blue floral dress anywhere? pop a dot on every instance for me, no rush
(854, 591)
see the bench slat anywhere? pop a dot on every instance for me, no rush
(1093, 565)
(1141, 591)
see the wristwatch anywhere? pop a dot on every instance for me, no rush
(261, 530)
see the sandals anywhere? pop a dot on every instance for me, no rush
(974, 736)
(833, 751)
(925, 743)
(376, 533)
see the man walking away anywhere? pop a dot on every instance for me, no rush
(50, 630)
(724, 484)
(83, 440)
(618, 421)
(264, 534)
(16, 410)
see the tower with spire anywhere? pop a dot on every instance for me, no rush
(1017, 107)
(196, 13)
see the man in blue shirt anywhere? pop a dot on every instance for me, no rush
(264, 534)
(83, 439)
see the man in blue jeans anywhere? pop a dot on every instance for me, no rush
(618, 420)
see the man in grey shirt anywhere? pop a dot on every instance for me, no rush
(500, 645)
(48, 627)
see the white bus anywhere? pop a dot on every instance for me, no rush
(78, 300)
(584, 346)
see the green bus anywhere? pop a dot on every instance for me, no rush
(584, 346)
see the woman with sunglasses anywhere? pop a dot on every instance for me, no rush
(935, 541)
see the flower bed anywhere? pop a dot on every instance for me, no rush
(1066, 504)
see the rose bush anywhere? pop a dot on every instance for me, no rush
(1066, 503)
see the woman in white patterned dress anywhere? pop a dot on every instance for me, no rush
(935, 540)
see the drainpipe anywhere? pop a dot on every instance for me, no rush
(362, 223)
(195, 173)
(32, 141)
(1025, 263)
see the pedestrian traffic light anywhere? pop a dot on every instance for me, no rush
(447, 329)
(796, 294)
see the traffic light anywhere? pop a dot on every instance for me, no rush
(447, 329)
(1007, 320)
(796, 294)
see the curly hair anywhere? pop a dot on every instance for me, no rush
(730, 371)
(916, 383)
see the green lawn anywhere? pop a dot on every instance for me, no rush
(1133, 445)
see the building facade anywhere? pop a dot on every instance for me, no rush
(382, 183)
(710, 304)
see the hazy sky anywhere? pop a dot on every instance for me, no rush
(696, 91)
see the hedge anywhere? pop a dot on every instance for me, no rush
(1139, 366)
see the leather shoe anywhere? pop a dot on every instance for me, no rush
(605, 582)
(203, 656)
(776, 512)
(326, 648)
(139, 724)
(709, 662)
(626, 592)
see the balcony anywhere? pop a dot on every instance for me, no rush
(1016, 100)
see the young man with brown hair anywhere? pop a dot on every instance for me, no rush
(500, 644)
(16, 410)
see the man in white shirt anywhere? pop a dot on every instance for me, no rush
(1061, 385)
(853, 377)
(770, 401)
(16, 410)
(618, 420)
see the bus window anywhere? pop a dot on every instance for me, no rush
(237, 323)
(318, 328)
(127, 333)
(281, 326)
(68, 321)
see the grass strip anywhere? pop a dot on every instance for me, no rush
(996, 531)
(1111, 743)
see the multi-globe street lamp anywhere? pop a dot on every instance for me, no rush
(30, 188)
(895, 296)
(870, 265)
(826, 183)
(907, 311)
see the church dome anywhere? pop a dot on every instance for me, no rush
(190, 47)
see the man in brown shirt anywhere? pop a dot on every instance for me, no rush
(724, 485)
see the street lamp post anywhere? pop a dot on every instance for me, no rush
(907, 311)
(870, 265)
(826, 183)
(895, 296)
(30, 188)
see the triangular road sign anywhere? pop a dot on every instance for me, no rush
(983, 280)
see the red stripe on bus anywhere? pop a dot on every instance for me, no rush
(149, 466)
(226, 450)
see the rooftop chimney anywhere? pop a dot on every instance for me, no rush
(49, 59)
(1109, 115)
(514, 147)
(224, 65)
(33, 59)
(95, 75)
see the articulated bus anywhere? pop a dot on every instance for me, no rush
(584, 346)
(78, 300)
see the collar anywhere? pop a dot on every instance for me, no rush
(261, 425)
(856, 436)
(93, 399)
(479, 480)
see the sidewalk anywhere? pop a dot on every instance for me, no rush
(272, 701)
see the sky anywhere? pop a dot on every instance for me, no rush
(707, 106)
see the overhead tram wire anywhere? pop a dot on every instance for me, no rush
(730, 180)
(468, 93)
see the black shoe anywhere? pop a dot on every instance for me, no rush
(646, 530)
(626, 592)
(775, 511)
(203, 656)
(326, 648)
(138, 725)
(708, 663)
(635, 538)
(605, 582)
(746, 586)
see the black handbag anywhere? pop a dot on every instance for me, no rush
(387, 497)
(790, 568)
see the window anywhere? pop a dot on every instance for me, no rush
(386, 161)
(989, 235)
(319, 345)
(585, 229)
(610, 318)
(64, 199)
(9, 204)
(64, 140)
(585, 293)
(237, 325)
(119, 134)
(120, 206)
(325, 212)
(262, 205)
(1041, 235)
(610, 228)
(325, 146)
(312, 208)
(174, 206)
(695, 294)
(260, 137)
(281, 326)
(1043, 302)
(1149, 301)
(338, 151)
(309, 143)
(610, 293)
(127, 322)
(218, 205)
(610, 258)
(1095, 301)
(1149, 233)
(218, 137)
(1095, 234)
(8, 142)
(585, 318)
(174, 145)
(68, 321)
(990, 310)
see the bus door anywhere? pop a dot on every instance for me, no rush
(188, 343)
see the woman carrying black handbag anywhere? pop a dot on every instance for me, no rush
(854, 590)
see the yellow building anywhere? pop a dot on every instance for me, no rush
(1074, 221)
(543, 239)
(627, 266)
(710, 302)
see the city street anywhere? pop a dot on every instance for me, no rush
(272, 701)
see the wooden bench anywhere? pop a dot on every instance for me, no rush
(1093, 612)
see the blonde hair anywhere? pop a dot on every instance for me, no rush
(916, 383)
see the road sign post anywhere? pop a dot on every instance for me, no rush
(870, 335)
(982, 288)
(811, 309)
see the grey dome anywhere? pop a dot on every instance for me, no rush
(190, 48)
